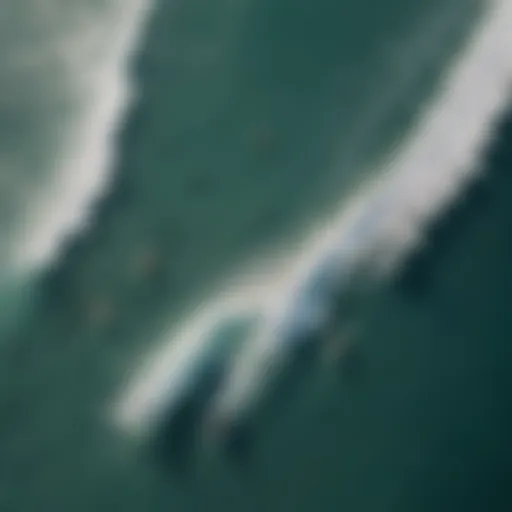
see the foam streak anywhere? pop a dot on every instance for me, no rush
(101, 81)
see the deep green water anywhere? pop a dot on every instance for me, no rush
(254, 117)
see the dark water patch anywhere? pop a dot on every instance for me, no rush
(177, 436)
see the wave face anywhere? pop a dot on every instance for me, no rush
(66, 89)
(373, 233)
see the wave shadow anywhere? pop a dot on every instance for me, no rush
(418, 274)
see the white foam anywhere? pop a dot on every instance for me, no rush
(101, 80)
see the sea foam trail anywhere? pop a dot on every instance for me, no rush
(385, 220)
(96, 56)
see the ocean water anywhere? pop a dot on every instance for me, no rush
(147, 149)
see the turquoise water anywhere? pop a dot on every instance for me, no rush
(251, 118)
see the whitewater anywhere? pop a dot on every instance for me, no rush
(385, 219)
(79, 57)
(69, 87)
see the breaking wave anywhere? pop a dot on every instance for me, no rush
(78, 60)
(386, 219)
